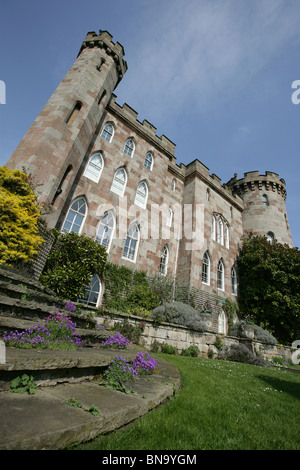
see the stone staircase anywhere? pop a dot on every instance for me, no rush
(25, 303)
(44, 420)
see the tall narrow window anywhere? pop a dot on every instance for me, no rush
(221, 275)
(148, 163)
(233, 281)
(94, 167)
(220, 231)
(173, 185)
(119, 182)
(129, 147)
(226, 236)
(106, 230)
(131, 243)
(169, 217)
(92, 292)
(163, 266)
(265, 200)
(108, 132)
(75, 217)
(270, 237)
(213, 228)
(74, 113)
(206, 269)
(141, 195)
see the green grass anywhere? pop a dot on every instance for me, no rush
(222, 406)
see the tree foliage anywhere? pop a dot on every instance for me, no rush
(71, 264)
(19, 214)
(269, 287)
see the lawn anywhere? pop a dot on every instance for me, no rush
(222, 406)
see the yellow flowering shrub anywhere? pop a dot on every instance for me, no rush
(19, 214)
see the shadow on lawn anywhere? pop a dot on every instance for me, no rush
(292, 388)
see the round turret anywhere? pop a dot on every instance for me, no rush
(264, 199)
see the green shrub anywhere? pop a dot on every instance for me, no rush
(191, 351)
(143, 297)
(71, 264)
(168, 349)
(240, 353)
(179, 313)
(260, 334)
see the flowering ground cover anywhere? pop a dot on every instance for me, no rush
(223, 405)
(58, 332)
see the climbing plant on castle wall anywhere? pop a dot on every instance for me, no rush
(19, 214)
(269, 287)
(73, 261)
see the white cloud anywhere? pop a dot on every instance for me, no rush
(200, 52)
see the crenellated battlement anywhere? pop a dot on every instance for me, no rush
(252, 180)
(130, 117)
(104, 41)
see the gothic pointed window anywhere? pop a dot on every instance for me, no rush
(169, 217)
(92, 292)
(129, 147)
(119, 182)
(233, 281)
(108, 132)
(131, 243)
(226, 236)
(76, 216)
(206, 269)
(148, 163)
(265, 200)
(220, 231)
(106, 230)
(163, 266)
(213, 228)
(270, 237)
(141, 195)
(94, 167)
(221, 276)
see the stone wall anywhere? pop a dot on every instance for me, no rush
(181, 337)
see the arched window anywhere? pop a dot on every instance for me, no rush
(141, 195)
(163, 266)
(265, 200)
(221, 275)
(92, 292)
(148, 163)
(129, 147)
(233, 281)
(270, 237)
(220, 231)
(94, 167)
(206, 268)
(131, 243)
(108, 132)
(222, 323)
(169, 217)
(106, 230)
(213, 228)
(226, 236)
(75, 217)
(119, 182)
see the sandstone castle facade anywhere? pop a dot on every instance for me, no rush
(109, 176)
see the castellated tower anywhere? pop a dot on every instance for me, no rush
(264, 199)
(55, 148)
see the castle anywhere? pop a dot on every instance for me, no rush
(109, 176)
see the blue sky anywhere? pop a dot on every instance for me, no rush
(214, 76)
